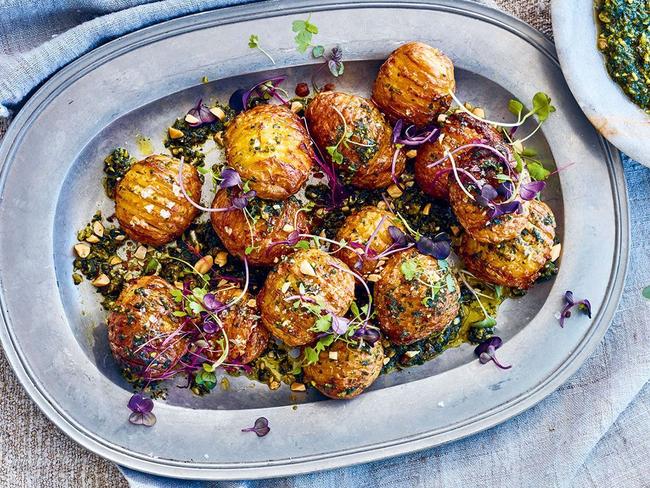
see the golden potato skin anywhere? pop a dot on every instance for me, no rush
(331, 285)
(354, 369)
(269, 145)
(476, 219)
(148, 201)
(414, 83)
(363, 167)
(402, 315)
(517, 262)
(359, 227)
(143, 314)
(458, 130)
(247, 337)
(276, 221)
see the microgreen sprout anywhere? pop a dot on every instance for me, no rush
(333, 60)
(570, 302)
(199, 115)
(488, 320)
(141, 407)
(486, 352)
(305, 31)
(266, 90)
(261, 427)
(254, 43)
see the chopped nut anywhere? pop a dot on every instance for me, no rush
(412, 354)
(333, 355)
(442, 118)
(479, 112)
(295, 386)
(218, 112)
(93, 239)
(285, 286)
(101, 280)
(555, 251)
(204, 264)
(114, 260)
(426, 209)
(381, 205)
(394, 191)
(175, 133)
(374, 278)
(190, 119)
(98, 229)
(469, 106)
(454, 229)
(140, 252)
(296, 107)
(218, 138)
(307, 269)
(228, 230)
(82, 249)
(411, 154)
(221, 259)
(251, 303)
(386, 361)
(274, 385)
(288, 228)
(120, 238)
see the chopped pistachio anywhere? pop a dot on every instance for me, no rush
(82, 249)
(101, 280)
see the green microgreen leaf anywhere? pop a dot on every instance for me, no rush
(302, 245)
(515, 107)
(318, 51)
(409, 269)
(542, 106)
(179, 313)
(537, 171)
(646, 292)
(304, 33)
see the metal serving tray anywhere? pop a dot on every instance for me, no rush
(53, 331)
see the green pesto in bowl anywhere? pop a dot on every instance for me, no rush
(624, 40)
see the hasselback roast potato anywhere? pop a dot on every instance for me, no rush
(368, 225)
(516, 262)
(458, 130)
(306, 277)
(361, 135)
(415, 297)
(269, 146)
(270, 222)
(149, 203)
(344, 370)
(140, 322)
(414, 83)
(477, 219)
(247, 337)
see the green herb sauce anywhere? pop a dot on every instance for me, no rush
(625, 41)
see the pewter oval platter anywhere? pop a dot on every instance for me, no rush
(53, 331)
(620, 120)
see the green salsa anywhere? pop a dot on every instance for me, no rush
(624, 41)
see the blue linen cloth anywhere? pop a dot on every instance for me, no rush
(593, 431)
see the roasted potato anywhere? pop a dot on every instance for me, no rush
(140, 321)
(414, 83)
(366, 147)
(458, 130)
(269, 146)
(517, 262)
(148, 201)
(247, 337)
(415, 297)
(477, 220)
(359, 228)
(270, 222)
(321, 278)
(343, 371)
